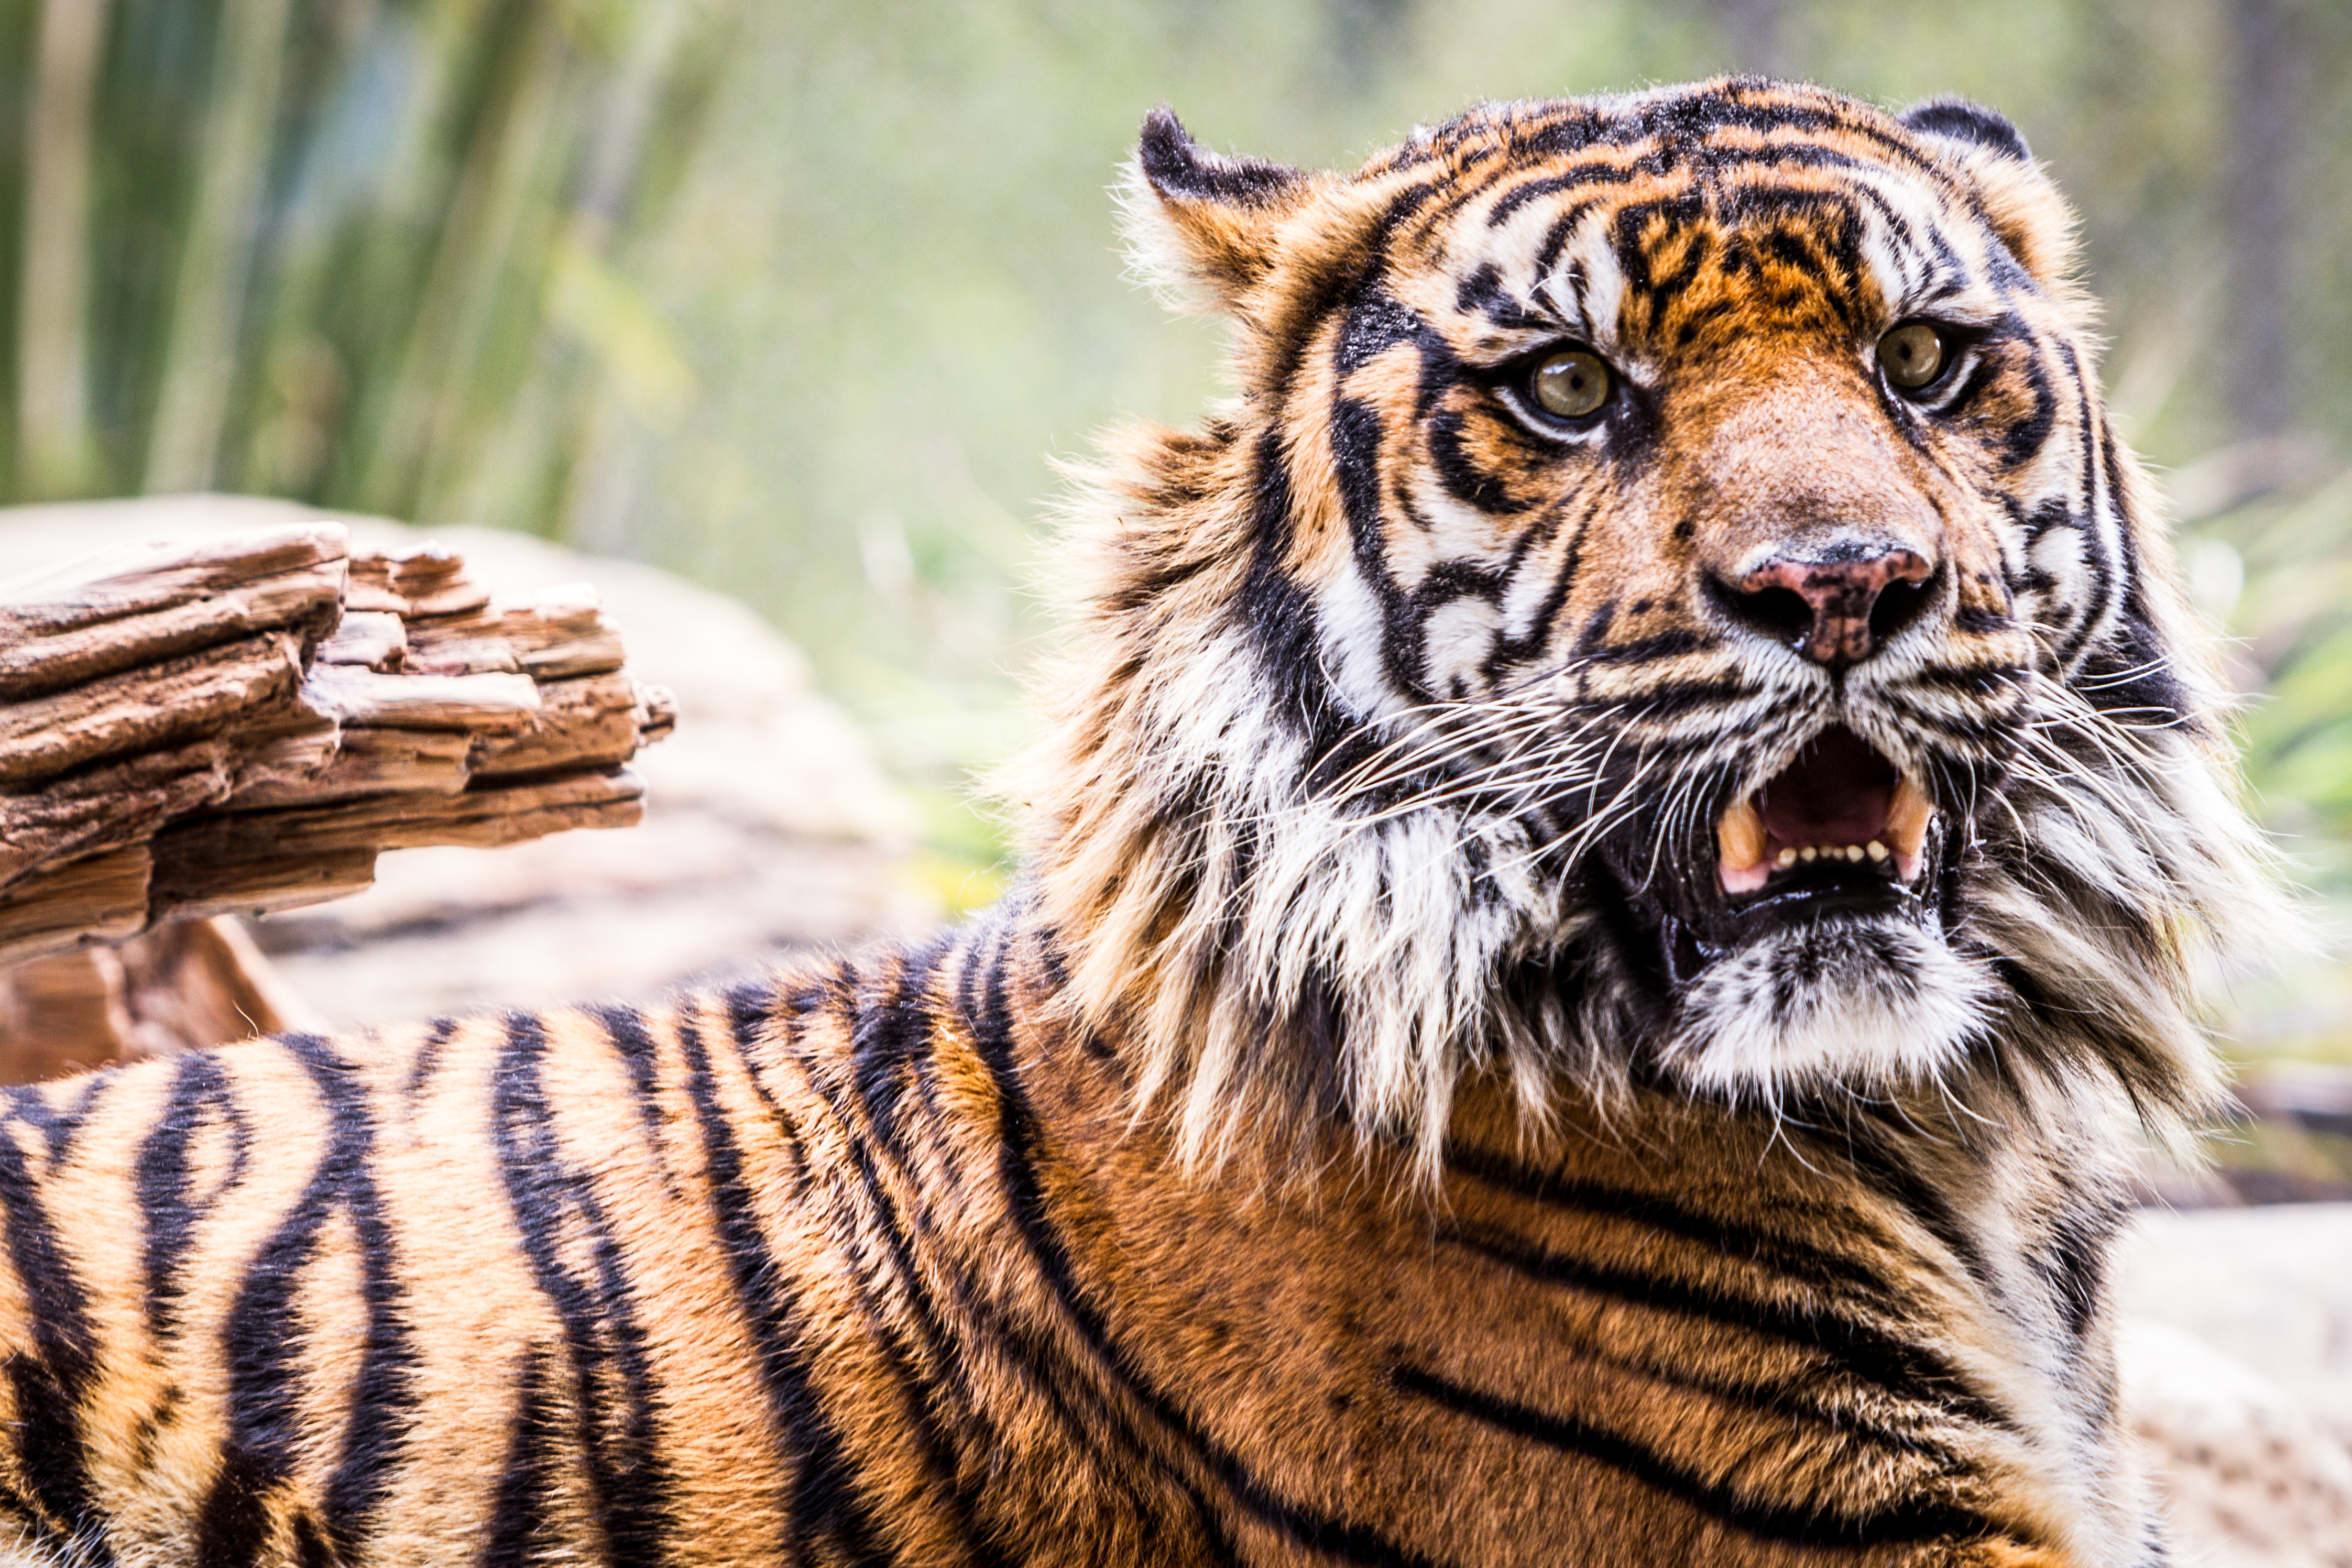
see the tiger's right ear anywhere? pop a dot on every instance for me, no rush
(2034, 219)
(1199, 220)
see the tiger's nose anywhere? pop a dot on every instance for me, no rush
(1837, 609)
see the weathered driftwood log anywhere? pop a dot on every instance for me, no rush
(244, 724)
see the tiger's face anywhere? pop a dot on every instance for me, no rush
(1668, 604)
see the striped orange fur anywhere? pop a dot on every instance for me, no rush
(1412, 1112)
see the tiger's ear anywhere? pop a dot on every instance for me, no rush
(2032, 219)
(1199, 220)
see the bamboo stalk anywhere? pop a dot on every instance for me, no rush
(533, 158)
(473, 251)
(603, 456)
(53, 443)
(217, 257)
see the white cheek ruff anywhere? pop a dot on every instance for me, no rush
(1862, 1004)
(1348, 632)
(1458, 636)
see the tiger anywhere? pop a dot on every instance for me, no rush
(1622, 849)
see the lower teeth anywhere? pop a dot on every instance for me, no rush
(1875, 851)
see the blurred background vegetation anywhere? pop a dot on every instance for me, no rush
(801, 297)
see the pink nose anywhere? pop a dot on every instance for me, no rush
(1835, 612)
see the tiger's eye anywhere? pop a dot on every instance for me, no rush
(1912, 354)
(1570, 383)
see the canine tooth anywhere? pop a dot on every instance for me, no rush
(1739, 840)
(1741, 835)
(1907, 826)
(1875, 850)
(1809, 854)
(1785, 858)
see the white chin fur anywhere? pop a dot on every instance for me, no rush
(1866, 1004)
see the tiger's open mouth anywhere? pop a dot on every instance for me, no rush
(1839, 820)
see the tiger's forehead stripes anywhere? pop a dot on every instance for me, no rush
(1555, 242)
(1630, 275)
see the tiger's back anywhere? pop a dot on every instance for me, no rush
(866, 1264)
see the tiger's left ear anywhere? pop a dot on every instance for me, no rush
(2032, 219)
(1199, 219)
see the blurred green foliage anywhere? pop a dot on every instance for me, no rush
(368, 252)
(802, 298)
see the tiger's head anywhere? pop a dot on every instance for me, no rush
(1666, 605)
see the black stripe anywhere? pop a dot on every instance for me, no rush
(822, 1503)
(59, 1128)
(1296, 332)
(2096, 561)
(1610, 172)
(260, 1345)
(980, 999)
(384, 1391)
(1482, 294)
(984, 1326)
(310, 1548)
(263, 1347)
(1867, 1353)
(1906, 1521)
(1572, 565)
(1786, 1254)
(892, 1036)
(1871, 1147)
(1355, 437)
(1444, 435)
(992, 1033)
(2023, 440)
(1806, 1398)
(1376, 322)
(169, 1215)
(1674, 699)
(2143, 680)
(1510, 651)
(2072, 1258)
(48, 1385)
(233, 1519)
(1643, 650)
(1278, 617)
(626, 1032)
(554, 1199)
(749, 1008)
(526, 1478)
(428, 1061)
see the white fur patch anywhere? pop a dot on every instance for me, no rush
(1877, 1003)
